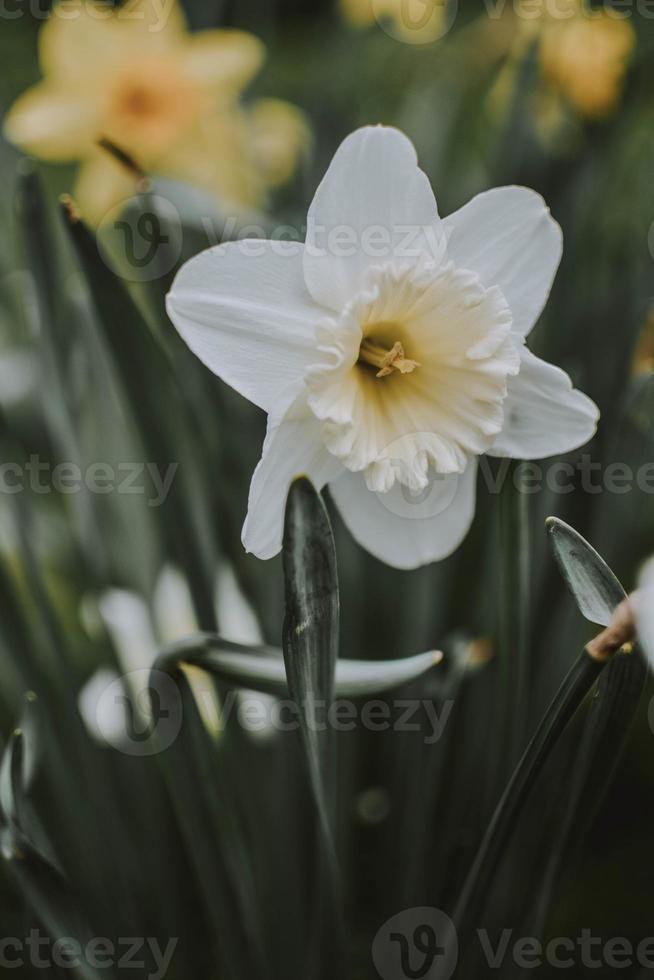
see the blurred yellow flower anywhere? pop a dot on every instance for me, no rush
(583, 53)
(413, 21)
(587, 59)
(135, 76)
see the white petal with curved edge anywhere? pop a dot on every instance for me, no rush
(544, 414)
(406, 530)
(508, 237)
(374, 204)
(244, 310)
(293, 447)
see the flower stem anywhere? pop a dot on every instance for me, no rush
(515, 580)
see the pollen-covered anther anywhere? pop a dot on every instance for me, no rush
(386, 360)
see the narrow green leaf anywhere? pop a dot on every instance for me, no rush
(263, 668)
(515, 579)
(612, 713)
(162, 416)
(11, 779)
(44, 887)
(610, 718)
(50, 898)
(17, 766)
(213, 835)
(310, 644)
(311, 624)
(569, 697)
(594, 586)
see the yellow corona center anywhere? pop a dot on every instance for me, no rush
(386, 359)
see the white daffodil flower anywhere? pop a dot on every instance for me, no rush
(388, 350)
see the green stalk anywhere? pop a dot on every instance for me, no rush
(569, 697)
(515, 547)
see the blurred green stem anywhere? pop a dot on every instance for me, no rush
(514, 618)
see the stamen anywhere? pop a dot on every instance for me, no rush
(386, 360)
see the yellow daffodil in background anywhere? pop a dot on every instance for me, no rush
(587, 60)
(583, 53)
(412, 21)
(171, 100)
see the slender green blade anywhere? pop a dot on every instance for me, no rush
(53, 904)
(612, 714)
(211, 830)
(610, 718)
(11, 779)
(263, 669)
(569, 697)
(162, 415)
(595, 588)
(311, 624)
(310, 644)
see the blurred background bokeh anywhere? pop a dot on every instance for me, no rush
(557, 97)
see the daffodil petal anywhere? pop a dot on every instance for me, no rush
(293, 447)
(54, 123)
(374, 204)
(102, 184)
(215, 156)
(406, 530)
(82, 39)
(244, 310)
(508, 237)
(280, 133)
(544, 414)
(224, 60)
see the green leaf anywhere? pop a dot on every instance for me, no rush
(595, 588)
(51, 900)
(311, 624)
(11, 779)
(209, 824)
(310, 644)
(569, 697)
(162, 415)
(610, 717)
(263, 668)
(515, 580)
(17, 766)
